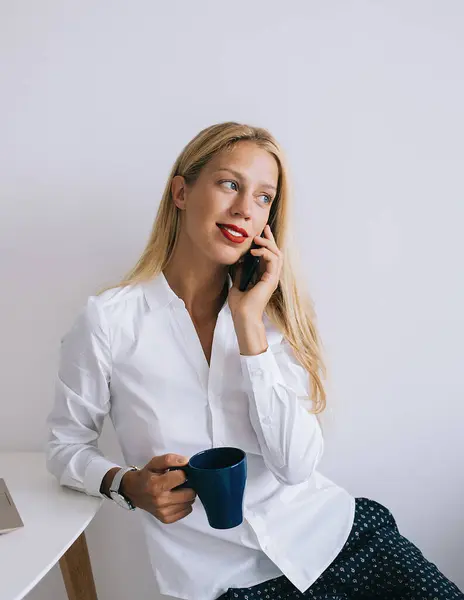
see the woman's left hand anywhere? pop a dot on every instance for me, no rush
(250, 304)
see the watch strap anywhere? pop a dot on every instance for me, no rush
(115, 487)
(115, 484)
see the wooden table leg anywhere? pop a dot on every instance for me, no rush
(77, 571)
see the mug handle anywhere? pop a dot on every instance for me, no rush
(186, 483)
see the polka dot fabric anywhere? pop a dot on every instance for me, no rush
(376, 562)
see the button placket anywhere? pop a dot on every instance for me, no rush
(221, 341)
(257, 372)
(192, 345)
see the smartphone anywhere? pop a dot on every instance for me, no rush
(249, 267)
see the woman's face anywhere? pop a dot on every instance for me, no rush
(220, 197)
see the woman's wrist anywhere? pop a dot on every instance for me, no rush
(251, 336)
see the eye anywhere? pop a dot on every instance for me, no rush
(269, 199)
(230, 181)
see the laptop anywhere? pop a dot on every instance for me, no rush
(9, 515)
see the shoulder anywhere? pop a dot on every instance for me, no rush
(117, 298)
(101, 311)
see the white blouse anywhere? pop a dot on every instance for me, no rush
(133, 353)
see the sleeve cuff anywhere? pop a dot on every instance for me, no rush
(260, 368)
(94, 473)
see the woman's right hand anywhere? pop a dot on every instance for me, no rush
(151, 488)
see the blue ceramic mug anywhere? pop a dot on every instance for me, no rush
(218, 476)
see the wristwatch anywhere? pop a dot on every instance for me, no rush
(114, 491)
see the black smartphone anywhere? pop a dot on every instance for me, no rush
(249, 266)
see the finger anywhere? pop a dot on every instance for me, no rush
(166, 499)
(268, 231)
(172, 517)
(272, 264)
(161, 463)
(170, 480)
(268, 255)
(268, 243)
(168, 511)
(181, 496)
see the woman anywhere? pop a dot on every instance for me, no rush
(182, 360)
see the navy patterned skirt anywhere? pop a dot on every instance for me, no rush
(376, 562)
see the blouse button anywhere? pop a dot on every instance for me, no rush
(258, 372)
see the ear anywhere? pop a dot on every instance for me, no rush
(178, 191)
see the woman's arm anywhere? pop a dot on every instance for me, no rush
(277, 385)
(82, 400)
(289, 436)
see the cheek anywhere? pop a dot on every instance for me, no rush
(262, 224)
(208, 208)
(201, 213)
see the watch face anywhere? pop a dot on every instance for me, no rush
(120, 500)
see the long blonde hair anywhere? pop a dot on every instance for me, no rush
(290, 308)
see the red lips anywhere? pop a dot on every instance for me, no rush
(234, 228)
(236, 238)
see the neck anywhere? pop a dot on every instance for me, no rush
(202, 286)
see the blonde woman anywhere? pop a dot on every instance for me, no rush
(182, 360)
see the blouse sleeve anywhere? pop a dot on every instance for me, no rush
(81, 403)
(289, 435)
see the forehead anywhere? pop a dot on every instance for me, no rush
(250, 160)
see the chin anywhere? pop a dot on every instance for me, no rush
(227, 258)
(223, 253)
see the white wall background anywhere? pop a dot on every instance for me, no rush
(96, 101)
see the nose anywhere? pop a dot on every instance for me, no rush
(242, 205)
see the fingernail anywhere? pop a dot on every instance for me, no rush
(182, 460)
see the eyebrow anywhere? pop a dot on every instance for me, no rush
(240, 176)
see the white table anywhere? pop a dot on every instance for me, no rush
(54, 522)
